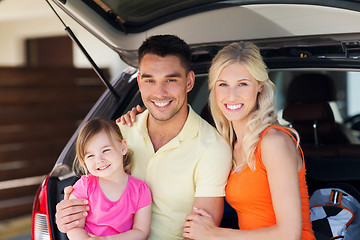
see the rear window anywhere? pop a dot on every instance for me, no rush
(338, 88)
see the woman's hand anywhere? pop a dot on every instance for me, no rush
(199, 225)
(130, 117)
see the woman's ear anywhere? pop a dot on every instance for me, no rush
(261, 87)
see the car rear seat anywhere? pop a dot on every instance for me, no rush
(309, 112)
(331, 152)
(316, 124)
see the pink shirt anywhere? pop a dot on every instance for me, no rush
(107, 217)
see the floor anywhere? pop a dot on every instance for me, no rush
(16, 229)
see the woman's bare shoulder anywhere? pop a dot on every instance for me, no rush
(280, 144)
(276, 137)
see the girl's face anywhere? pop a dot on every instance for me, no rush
(104, 156)
(236, 92)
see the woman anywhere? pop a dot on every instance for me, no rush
(267, 186)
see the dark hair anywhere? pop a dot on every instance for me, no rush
(87, 133)
(164, 45)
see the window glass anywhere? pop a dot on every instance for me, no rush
(352, 93)
(344, 101)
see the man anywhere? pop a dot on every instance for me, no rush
(182, 158)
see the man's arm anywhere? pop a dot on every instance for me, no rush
(130, 117)
(211, 176)
(78, 233)
(213, 205)
(69, 212)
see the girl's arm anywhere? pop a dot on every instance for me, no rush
(78, 233)
(282, 161)
(140, 230)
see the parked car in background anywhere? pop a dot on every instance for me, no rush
(312, 50)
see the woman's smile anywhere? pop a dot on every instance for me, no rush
(234, 107)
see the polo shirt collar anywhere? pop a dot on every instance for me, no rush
(142, 123)
(191, 126)
(189, 130)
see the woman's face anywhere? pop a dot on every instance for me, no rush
(236, 92)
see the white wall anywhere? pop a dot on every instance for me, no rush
(42, 22)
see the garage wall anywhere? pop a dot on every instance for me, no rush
(37, 118)
(14, 30)
(40, 108)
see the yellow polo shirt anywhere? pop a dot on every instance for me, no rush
(196, 163)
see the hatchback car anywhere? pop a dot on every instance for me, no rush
(311, 48)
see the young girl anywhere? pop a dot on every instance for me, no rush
(267, 186)
(120, 205)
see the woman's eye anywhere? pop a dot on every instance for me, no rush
(222, 84)
(106, 150)
(89, 156)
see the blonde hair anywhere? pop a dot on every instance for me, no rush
(264, 114)
(88, 132)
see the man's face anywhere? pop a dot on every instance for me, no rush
(164, 85)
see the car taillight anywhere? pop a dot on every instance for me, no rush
(40, 229)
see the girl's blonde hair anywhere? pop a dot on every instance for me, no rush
(264, 114)
(88, 132)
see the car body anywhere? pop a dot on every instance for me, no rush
(306, 40)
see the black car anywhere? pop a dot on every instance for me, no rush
(312, 50)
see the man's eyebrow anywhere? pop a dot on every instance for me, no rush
(145, 75)
(173, 75)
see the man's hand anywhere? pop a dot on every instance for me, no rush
(130, 117)
(70, 211)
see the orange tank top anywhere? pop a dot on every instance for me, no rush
(249, 194)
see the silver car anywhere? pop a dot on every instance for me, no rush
(312, 50)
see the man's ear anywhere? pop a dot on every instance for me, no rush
(138, 78)
(190, 81)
